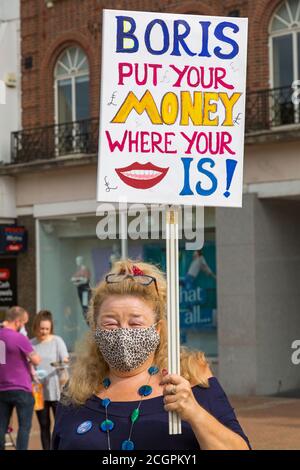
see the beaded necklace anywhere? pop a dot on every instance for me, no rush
(108, 425)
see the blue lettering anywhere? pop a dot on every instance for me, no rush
(205, 27)
(186, 190)
(213, 179)
(179, 34)
(179, 38)
(219, 33)
(121, 34)
(166, 38)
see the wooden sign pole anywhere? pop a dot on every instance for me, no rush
(173, 306)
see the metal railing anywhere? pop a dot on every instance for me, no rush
(266, 109)
(53, 141)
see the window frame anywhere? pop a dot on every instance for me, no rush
(293, 29)
(290, 29)
(71, 75)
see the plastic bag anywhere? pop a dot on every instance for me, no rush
(38, 395)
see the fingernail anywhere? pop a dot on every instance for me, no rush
(164, 372)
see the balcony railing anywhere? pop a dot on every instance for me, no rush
(50, 142)
(267, 109)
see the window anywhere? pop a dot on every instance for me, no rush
(72, 86)
(285, 56)
(72, 104)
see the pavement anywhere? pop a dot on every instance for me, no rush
(269, 422)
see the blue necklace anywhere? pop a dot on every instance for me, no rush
(108, 425)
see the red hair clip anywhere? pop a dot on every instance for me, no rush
(137, 271)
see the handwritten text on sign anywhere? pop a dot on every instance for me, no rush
(172, 108)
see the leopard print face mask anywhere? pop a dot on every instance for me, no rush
(125, 349)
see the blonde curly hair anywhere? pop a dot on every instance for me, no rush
(90, 367)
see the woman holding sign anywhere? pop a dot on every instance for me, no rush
(120, 390)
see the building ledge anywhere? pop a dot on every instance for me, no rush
(51, 164)
(287, 133)
(289, 189)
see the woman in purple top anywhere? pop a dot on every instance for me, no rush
(120, 392)
(15, 377)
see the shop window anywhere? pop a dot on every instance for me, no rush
(70, 254)
(198, 291)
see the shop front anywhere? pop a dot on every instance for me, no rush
(71, 257)
(13, 240)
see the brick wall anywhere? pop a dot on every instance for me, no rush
(46, 32)
(27, 270)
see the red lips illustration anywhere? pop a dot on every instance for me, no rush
(141, 176)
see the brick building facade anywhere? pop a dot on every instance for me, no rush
(46, 32)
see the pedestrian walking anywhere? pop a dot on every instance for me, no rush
(52, 350)
(15, 377)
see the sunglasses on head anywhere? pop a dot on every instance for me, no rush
(137, 276)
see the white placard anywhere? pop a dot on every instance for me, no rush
(172, 109)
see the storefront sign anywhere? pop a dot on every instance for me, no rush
(197, 318)
(13, 239)
(172, 108)
(8, 282)
(198, 296)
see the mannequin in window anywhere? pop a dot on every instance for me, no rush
(81, 279)
(82, 274)
(115, 255)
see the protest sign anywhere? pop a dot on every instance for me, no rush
(172, 109)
